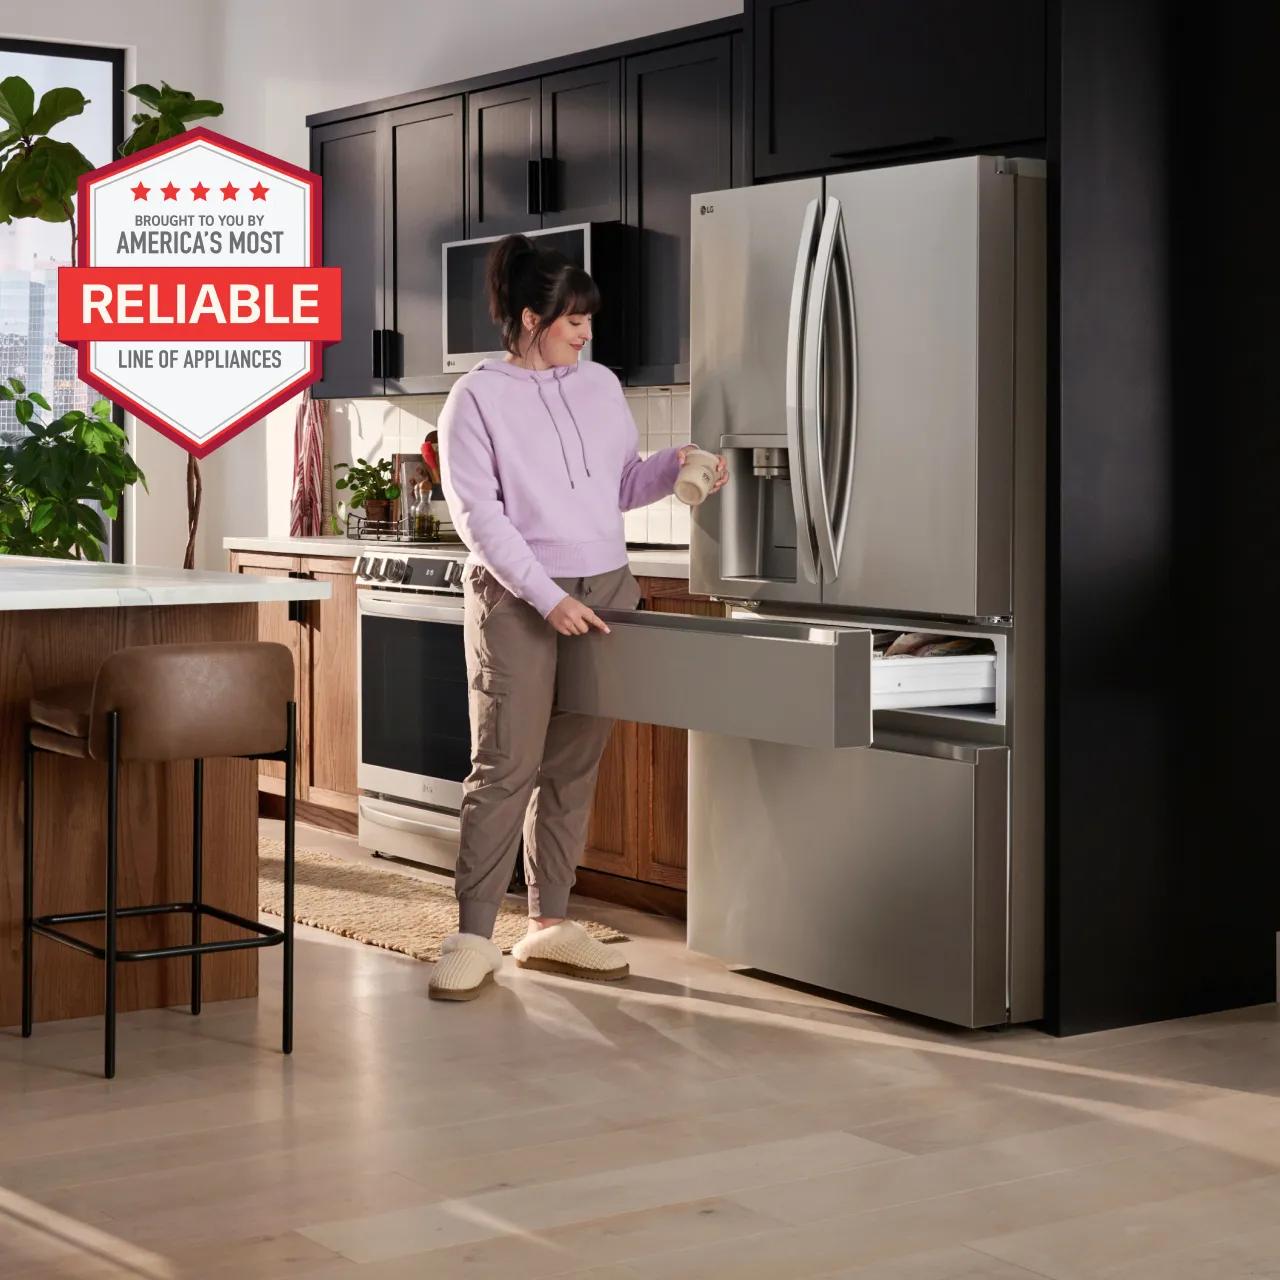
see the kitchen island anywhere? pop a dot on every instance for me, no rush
(58, 621)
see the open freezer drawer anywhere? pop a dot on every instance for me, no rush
(785, 682)
(794, 683)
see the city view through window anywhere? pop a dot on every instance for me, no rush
(32, 251)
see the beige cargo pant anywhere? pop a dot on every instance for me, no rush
(532, 768)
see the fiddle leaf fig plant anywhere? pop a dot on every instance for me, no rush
(49, 477)
(368, 481)
(174, 110)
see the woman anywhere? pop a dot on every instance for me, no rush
(539, 462)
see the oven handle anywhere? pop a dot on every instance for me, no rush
(446, 829)
(415, 610)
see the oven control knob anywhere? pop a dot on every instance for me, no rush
(375, 568)
(453, 573)
(395, 570)
(361, 564)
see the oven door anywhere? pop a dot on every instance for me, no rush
(412, 711)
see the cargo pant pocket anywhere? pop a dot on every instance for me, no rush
(488, 707)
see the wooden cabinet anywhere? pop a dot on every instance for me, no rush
(422, 200)
(393, 194)
(348, 156)
(582, 145)
(546, 152)
(623, 135)
(639, 821)
(680, 140)
(504, 154)
(321, 635)
(843, 82)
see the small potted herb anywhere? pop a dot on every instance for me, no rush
(371, 486)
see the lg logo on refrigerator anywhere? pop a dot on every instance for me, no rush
(704, 209)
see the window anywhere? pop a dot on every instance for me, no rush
(32, 251)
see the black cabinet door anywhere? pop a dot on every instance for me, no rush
(581, 174)
(680, 136)
(348, 156)
(842, 82)
(423, 203)
(505, 148)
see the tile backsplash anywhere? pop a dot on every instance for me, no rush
(379, 428)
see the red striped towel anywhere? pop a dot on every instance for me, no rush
(306, 515)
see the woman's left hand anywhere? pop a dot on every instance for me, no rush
(722, 468)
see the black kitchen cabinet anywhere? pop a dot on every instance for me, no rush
(843, 82)
(423, 207)
(546, 152)
(680, 139)
(581, 173)
(505, 154)
(348, 156)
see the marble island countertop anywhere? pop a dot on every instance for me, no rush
(30, 582)
(651, 562)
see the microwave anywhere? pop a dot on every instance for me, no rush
(470, 335)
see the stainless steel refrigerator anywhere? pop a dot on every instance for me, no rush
(867, 351)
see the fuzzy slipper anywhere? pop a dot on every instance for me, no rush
(567, 948)
(466, 966)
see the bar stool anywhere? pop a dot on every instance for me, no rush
(158, 703)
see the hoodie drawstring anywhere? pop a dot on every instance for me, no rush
(556, 429)
(564, 400)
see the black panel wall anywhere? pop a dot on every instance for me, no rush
(1162, 874)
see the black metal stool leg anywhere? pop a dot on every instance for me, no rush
(113, 790)
(28, 875)
(290, 751)
(197, 876)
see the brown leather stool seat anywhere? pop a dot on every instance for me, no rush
(156, 703)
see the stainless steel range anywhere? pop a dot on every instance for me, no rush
(413, 730)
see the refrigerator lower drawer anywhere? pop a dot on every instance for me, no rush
(786, 682)
(880, 874)
(782, 682)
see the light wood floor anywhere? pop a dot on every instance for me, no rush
(690, 1123)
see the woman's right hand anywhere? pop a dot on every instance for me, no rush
(573, 618)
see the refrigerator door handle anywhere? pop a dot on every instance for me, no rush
(826, 390)
(795, 396)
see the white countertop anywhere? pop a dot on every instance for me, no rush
(31, 582)
(657, 562)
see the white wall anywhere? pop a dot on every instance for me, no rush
(179, 41)
(272, 64)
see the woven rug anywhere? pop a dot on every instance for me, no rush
(388, 909)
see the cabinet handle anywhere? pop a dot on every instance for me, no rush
(377, 353)
(393, 353)
(550, 197)
(535, 186)
(932, 141)
(298, 608)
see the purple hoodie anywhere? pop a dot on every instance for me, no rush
(538, 467)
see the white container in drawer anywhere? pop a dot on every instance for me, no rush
(949, 680)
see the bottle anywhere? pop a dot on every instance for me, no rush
(421, 521)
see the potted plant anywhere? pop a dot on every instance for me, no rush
(50, 476)
(370, 485)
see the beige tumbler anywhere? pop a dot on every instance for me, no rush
(697, 477)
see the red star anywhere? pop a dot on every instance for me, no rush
(229, 192)
(140, 192)
(259, 192)
(199, 191)
(170, 192)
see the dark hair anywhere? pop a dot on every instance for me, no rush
(523, 274)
